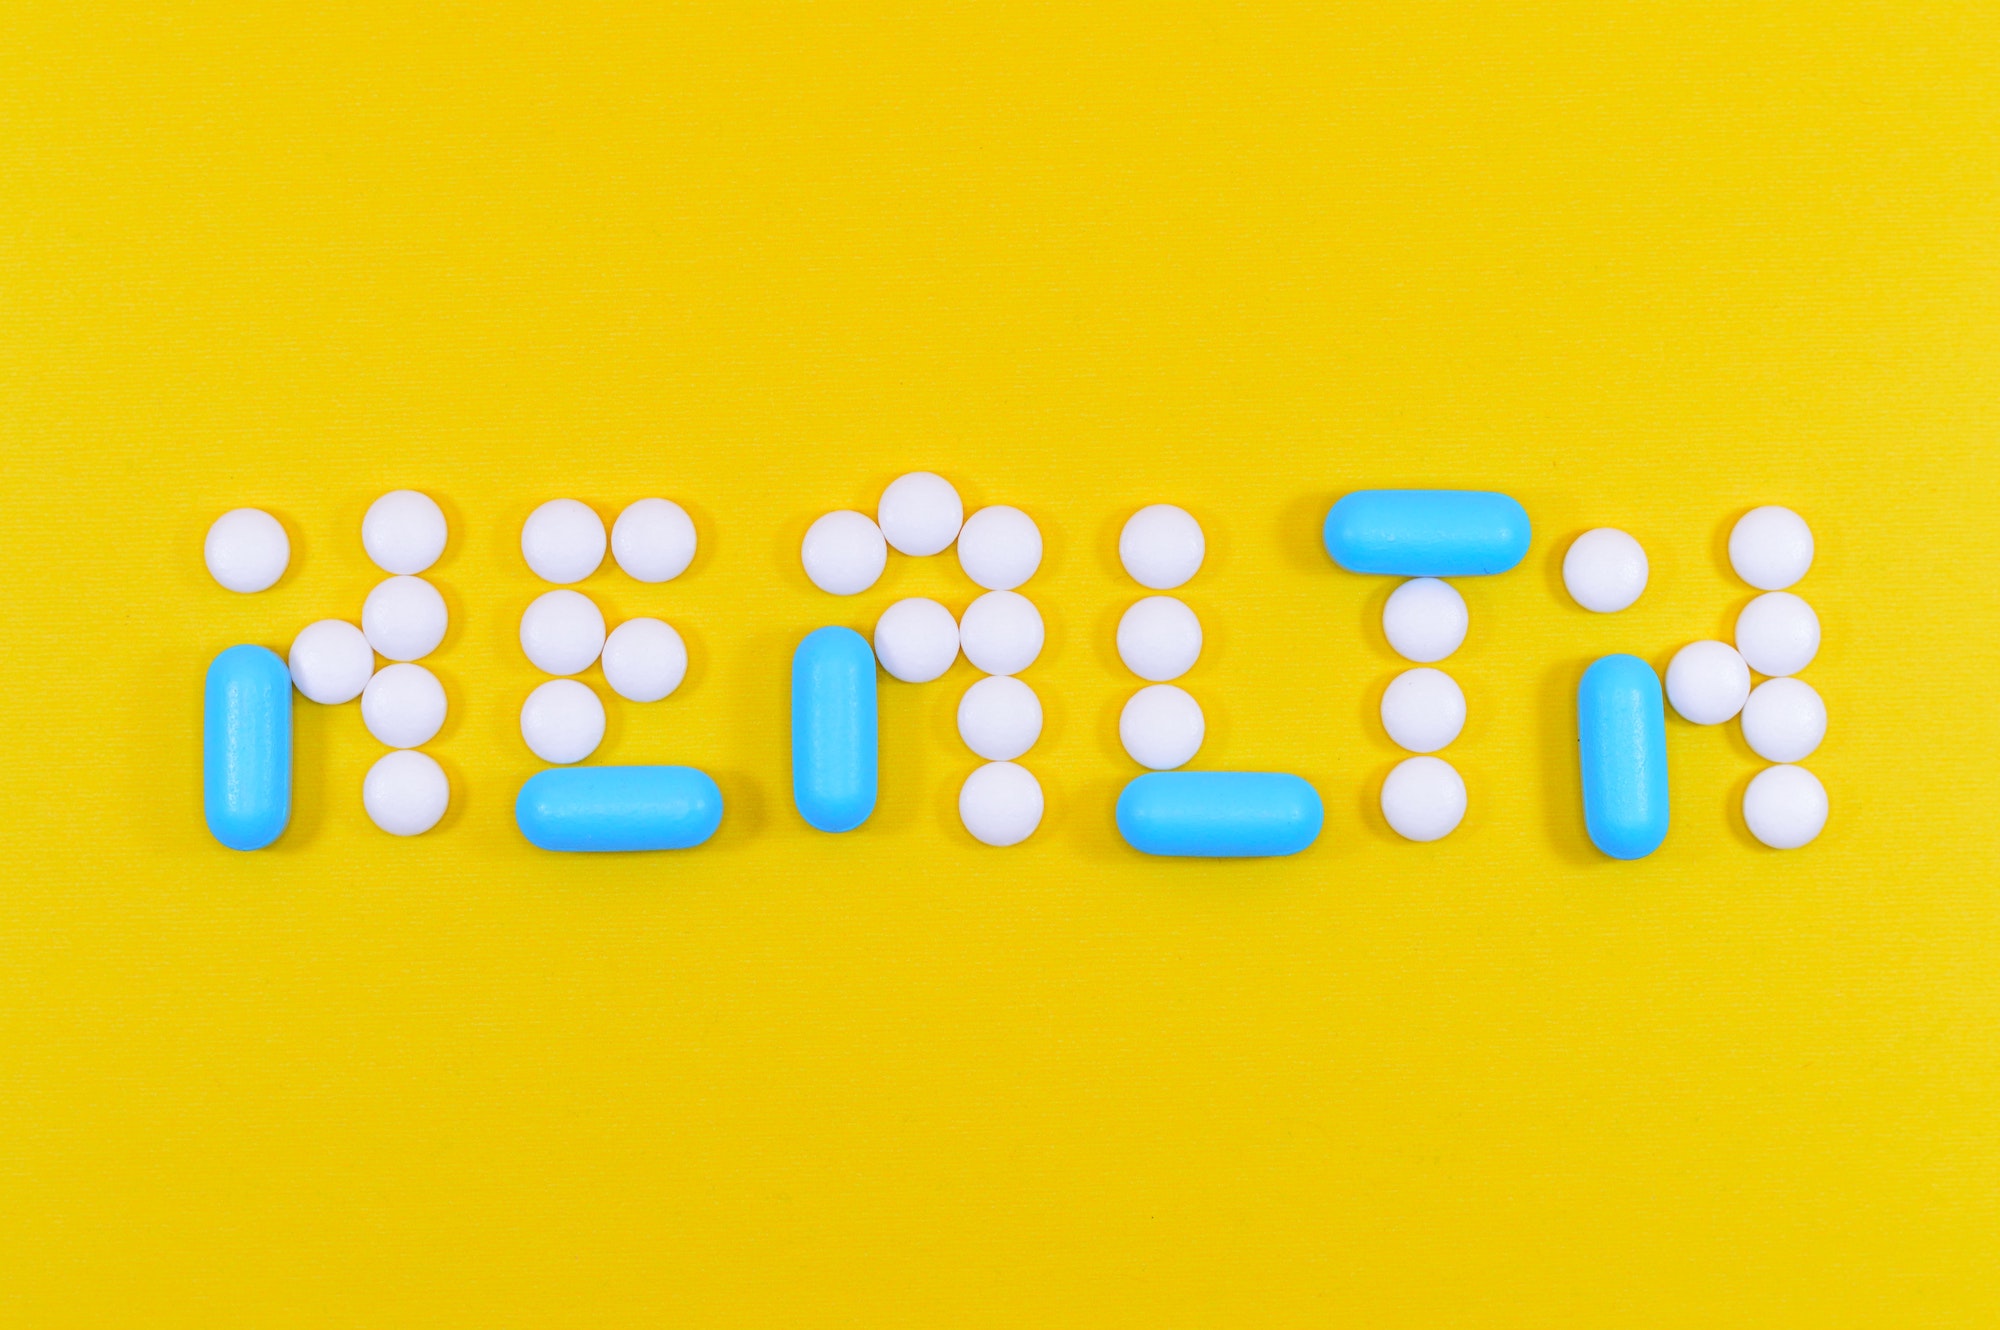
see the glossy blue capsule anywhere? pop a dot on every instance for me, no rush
(834, 729)
(1427, 533)
(618, 808)
(246, 743)
(1621, 730)
(1219, 814)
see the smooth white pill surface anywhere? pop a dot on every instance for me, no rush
(403, 706)
(1000, 804)
(1424, 799)
(405, 793)
(404, 618)
(644, 660)
(1001, 632)
(1784, 720)
(562, 721)
(999, 718)
(1770, 547)
(563, 541)
(1159, 638)
(331, 661)
(1707, 682)
(1785, 807)
(246, 549)
(403, 531)
(1161, 727)
(1161, 546)
(1425, 620)
(1423, 709)
(920, 513)
(1604, 570)
(844, 553)
(653, 540)
(562, 632)
(916, 640)
(1000, 547)
(1777, 634)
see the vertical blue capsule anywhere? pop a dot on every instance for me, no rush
(246, 738)
(834, 729)
(1621, 730)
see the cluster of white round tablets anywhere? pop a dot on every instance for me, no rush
(563, 631)
(403, 620)
(1159, 637)
(1783, 719)
(1423, 709)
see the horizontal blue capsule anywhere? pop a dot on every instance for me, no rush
(618, 808)
(1621, 731)
(1219, 814)
(1427, 533)
(246, 747)
(834, 729)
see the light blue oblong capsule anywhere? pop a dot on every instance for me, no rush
(1427, 533)
(1621, 730)
(618, 808)
(246, 747)
(833, 729)
(1219, 814)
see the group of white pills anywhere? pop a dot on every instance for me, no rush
(1783, 718)
(1159, 637)
(1423, 709)
(917, 639)
(332, 661)
(563, 631)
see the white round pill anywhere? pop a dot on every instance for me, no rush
(331, 661)
(1784, 720)
(916, 640)
(844, 553)
(920, 513)
(562, 632)
(1000, 804)
(1161, 546)
(562, 721)
(405, 793)
(1707, 682)
(1161, 727)
(1425, 620)
(1000, 547)
(1777, 633)
(403, 706)
(1159, 638)
(404, 618)
(653, 540)
(1001, 632)
(1423, 709)
(1785, 807)
(1424, 799)
(403, 531)
(644, 660)
(563, 541)
(1770, 547)
(999, 718)
(246, 549)
(1604, 570)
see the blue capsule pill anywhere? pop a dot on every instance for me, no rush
(1219, 814)
(618, 808)
(833, 729)
(1621, 730)
(1427, 533)
(246, 747)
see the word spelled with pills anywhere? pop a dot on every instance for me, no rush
(1421, 536)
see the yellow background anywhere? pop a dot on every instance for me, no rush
(1639, 265)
